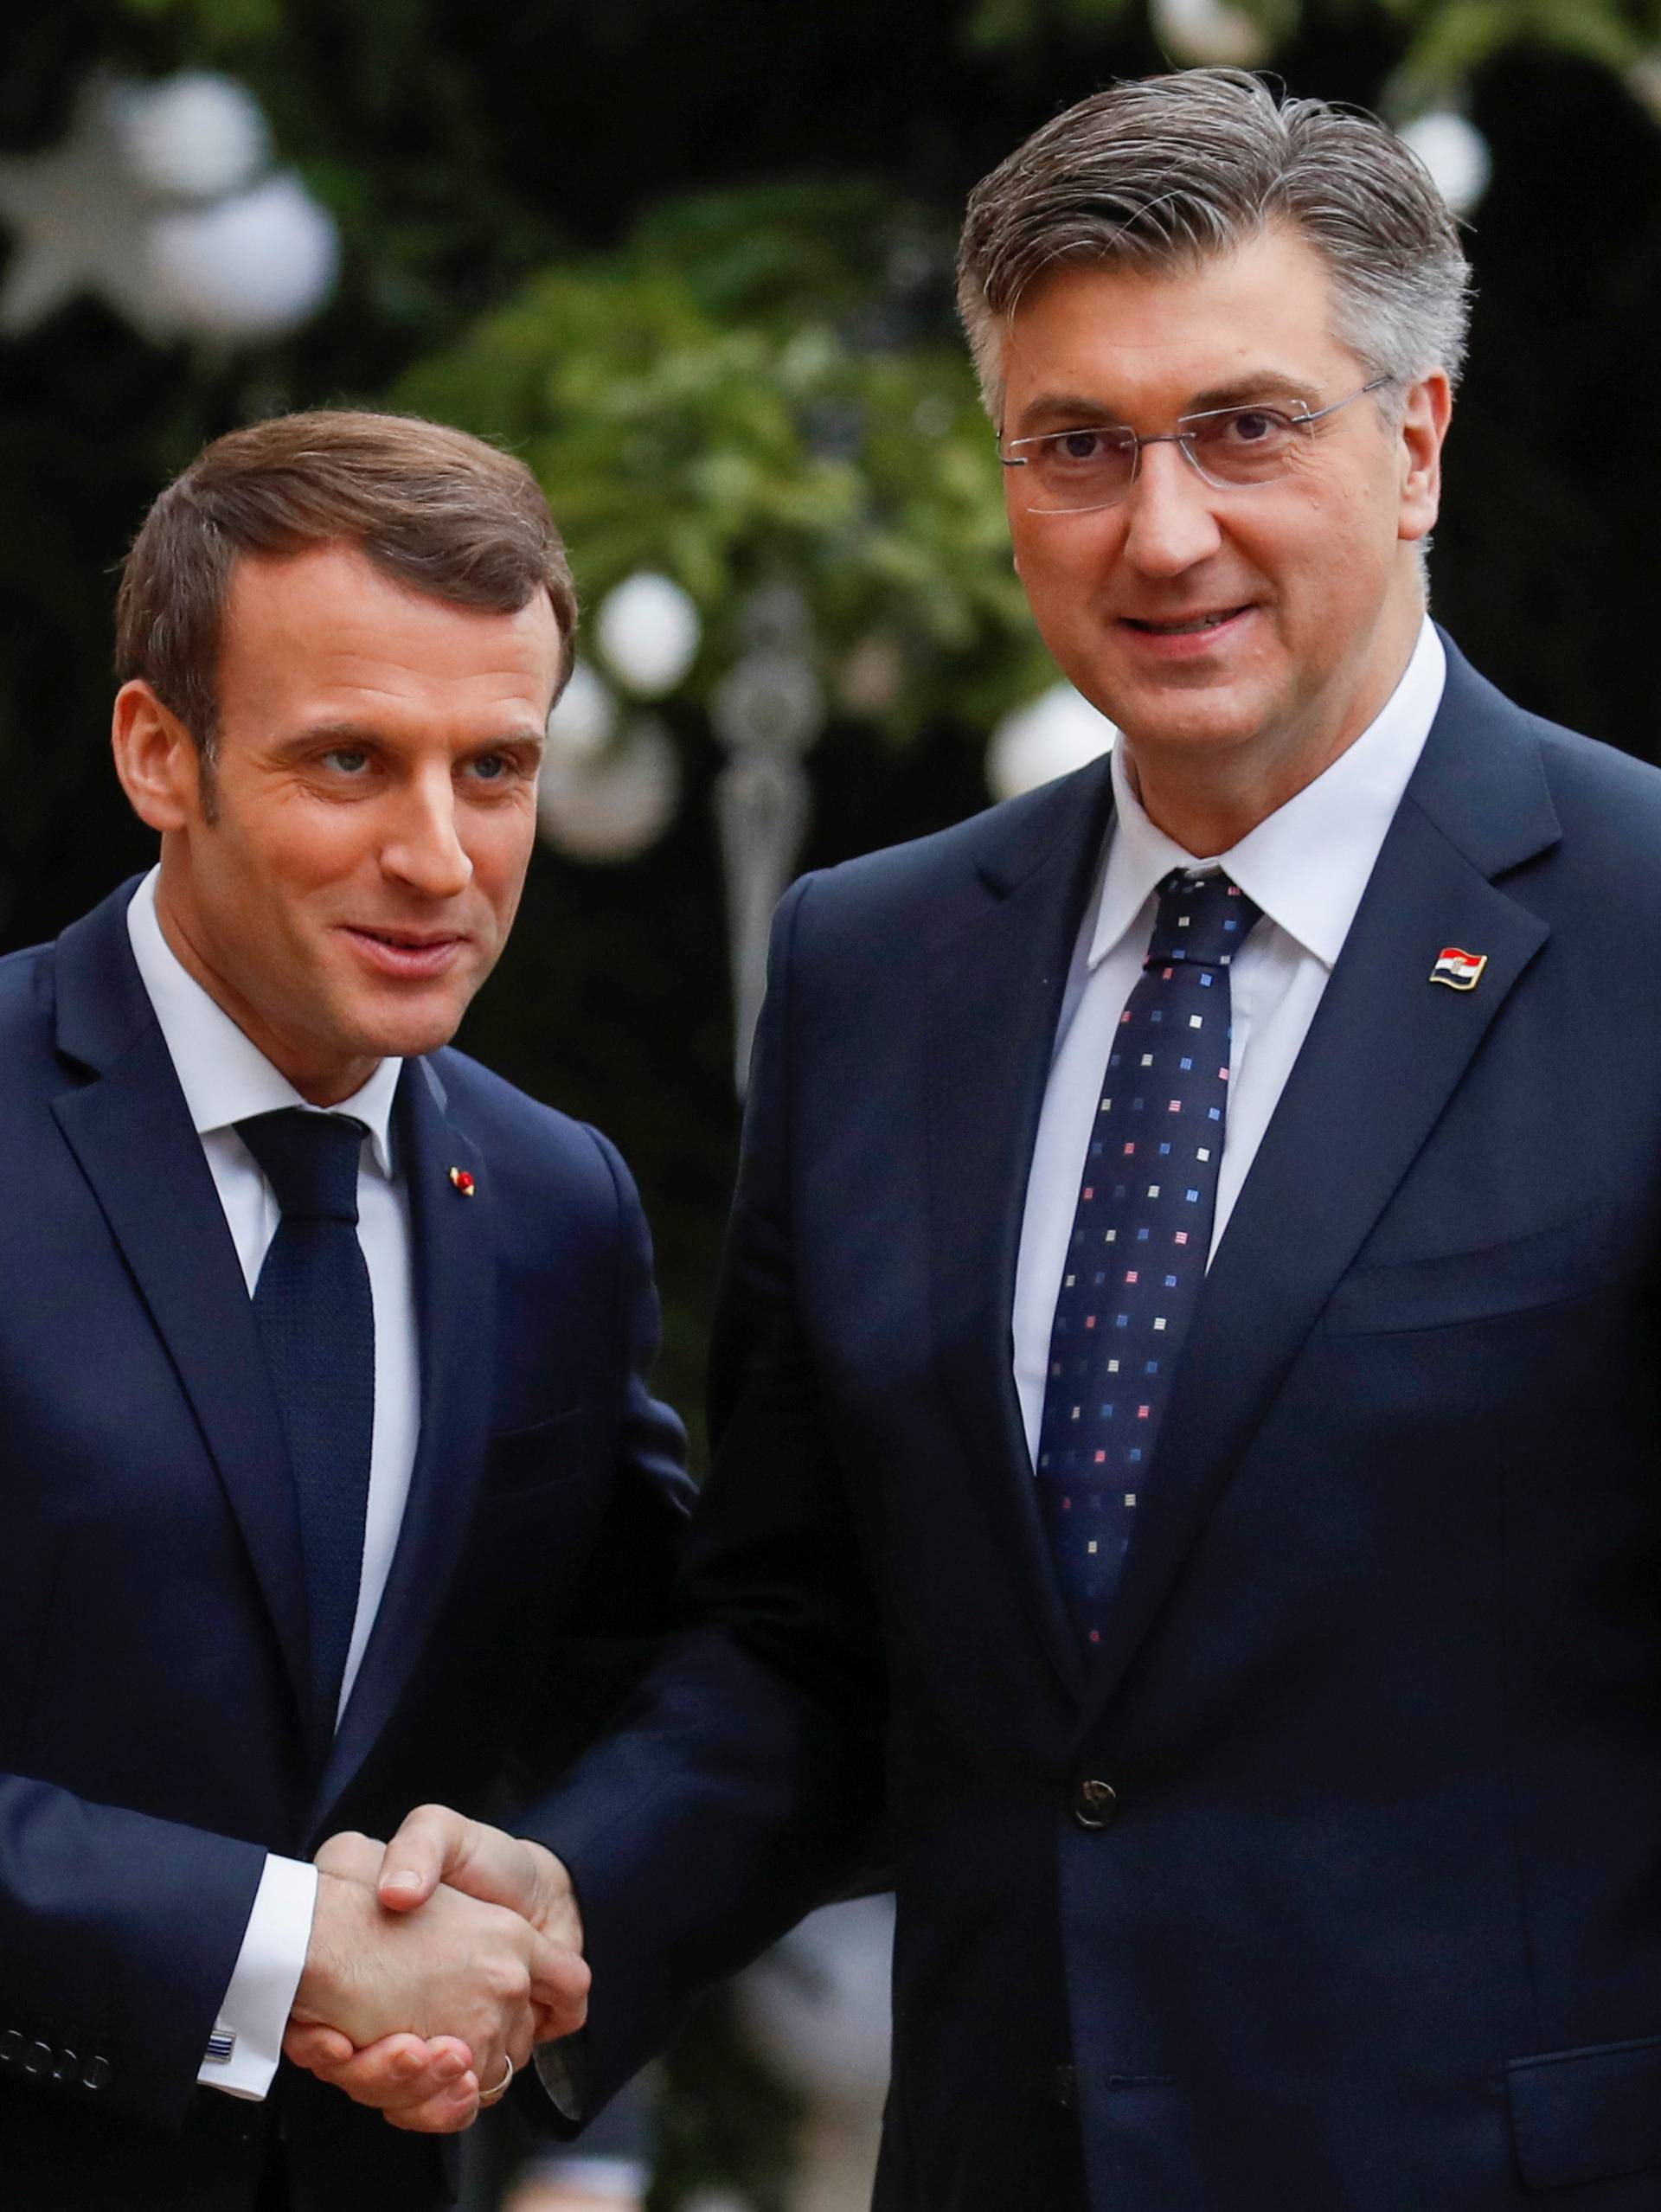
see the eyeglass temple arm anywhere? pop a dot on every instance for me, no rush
(1320, 413)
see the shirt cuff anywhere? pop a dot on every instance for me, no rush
(561, 2078)
(247, 2038)
(625, 2180)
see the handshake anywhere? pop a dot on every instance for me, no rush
(436, 1964)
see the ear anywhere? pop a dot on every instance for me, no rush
(1423, 428)
(155, 759)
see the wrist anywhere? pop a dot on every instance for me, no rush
(338, 1926)
(554, 1912)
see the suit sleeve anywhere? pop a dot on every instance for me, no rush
(616, 1624)
(744, 1779)
(119, 1935)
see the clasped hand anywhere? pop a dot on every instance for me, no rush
(434, 1960)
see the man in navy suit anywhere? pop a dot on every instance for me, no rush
(332, 1479)
(1186, 1389)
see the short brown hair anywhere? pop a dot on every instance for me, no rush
(1163, 173)
(430, 507)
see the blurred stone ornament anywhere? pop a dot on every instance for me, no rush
(873, 675)
(244, 269)
(1056, 734)
(916, 260)
(585, 719)
(133, 208)
(1456, 154)
(772, 700)
(649, 631)
(1644, 82)
(776, 615)
(77, 224)
(196, 136)
(1208, 31)
(768, 711)
(614, 805)
(816, 2010)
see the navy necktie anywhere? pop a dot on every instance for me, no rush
(1141, 1238)
(316, 1318)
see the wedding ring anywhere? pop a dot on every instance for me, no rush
(492, 2096)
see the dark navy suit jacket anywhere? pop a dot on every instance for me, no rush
(1372, 1918)
(152, 1620)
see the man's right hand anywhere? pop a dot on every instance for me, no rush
(480, 1974)
(435, 1846)
(416, 2081)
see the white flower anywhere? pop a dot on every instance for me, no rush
(649, 632)
(251, 268)
(1056, 734)
(1456, 154)
(196, 136)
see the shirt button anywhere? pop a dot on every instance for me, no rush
(1095, 1802)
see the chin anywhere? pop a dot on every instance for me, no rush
(1192, 728)
(405, 1032)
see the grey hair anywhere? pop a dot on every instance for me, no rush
(1165, 173)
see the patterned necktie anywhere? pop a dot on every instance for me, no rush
(316, 1319)
(1141, 1238)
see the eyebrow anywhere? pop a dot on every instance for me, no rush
(364, 733)
(1238, 391)
(1265, 384)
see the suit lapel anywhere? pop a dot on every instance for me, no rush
(996, 984)
(455, 1287)
(131, 1132)
(1384, 1053)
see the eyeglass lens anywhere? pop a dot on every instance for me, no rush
(1234, 447)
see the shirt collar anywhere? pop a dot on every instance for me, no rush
(223, 1073)
(1305, 865)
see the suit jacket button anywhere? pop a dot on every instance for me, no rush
(1094, 1803)
(11, 2048)
(66, 2066)
(37, 2059)
(97, 2074)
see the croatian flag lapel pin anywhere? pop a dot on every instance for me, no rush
(1458, 969)
(464, 1182)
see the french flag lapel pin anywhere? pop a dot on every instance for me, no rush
(1458, 969)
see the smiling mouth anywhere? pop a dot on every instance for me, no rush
(404, 941)
(1191, 628)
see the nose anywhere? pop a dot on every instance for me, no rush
(1170, 523)
(423, 849)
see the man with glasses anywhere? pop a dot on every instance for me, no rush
(1185, 1407)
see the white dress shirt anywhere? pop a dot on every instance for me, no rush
(1306, 866)
(226, 1079)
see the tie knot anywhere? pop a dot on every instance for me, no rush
(1202, 919)
(309, 1161)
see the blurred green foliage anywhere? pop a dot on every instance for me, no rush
(761, 386)
(1445, 41)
